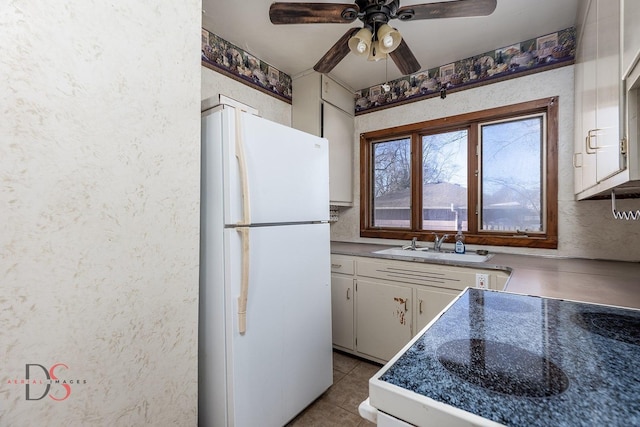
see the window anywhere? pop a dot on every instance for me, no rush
(392, 183)
(492, 173)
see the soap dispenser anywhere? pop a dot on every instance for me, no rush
(459, 249)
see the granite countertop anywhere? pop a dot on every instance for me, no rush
(597, 281)
(519, 360)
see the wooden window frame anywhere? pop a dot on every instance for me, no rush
(471, 121)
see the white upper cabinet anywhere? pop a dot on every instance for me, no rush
(335, 94)
(325, 108)
(598, 154)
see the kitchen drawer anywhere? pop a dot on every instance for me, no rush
(343, 265)
(417, 273)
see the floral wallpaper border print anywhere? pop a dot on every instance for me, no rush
(530, 56)
(545, 52)
(218, 54)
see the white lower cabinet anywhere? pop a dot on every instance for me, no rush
(342, 302)
(383, 318)
(430, 302)
(342, 297)
(378, 305)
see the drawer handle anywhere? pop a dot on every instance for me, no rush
(336, 265)
(348, 293)
(420, 306)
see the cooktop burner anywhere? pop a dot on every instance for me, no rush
(610, 325)
(503, 368)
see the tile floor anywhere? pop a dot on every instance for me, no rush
(338, 406)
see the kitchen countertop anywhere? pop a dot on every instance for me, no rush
(518, 360)
(597, 281)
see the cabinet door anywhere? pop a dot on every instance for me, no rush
(608, 159)
(342, 310)
(306, 104)
(598, 95)
(586, 78)
(338, 128)
(383, 318)
(630, 35)
(337, 95)
(430, 302)
(578, 156)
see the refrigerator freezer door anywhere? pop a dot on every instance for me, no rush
(285, 172)
(284, 359)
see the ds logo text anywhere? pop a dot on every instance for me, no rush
(34, 382)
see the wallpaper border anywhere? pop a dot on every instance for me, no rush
(516, 60)
(220, 55)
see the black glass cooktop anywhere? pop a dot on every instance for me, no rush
(528, 361)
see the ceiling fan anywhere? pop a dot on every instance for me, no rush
(376, 39)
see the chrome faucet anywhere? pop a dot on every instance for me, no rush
(412, 245)
(437, 243)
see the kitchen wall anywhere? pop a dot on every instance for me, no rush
(99, 188)
(269, 107)
(586, 229)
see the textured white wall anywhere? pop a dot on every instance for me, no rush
(586, 229)
(269, 107)
(99, 194)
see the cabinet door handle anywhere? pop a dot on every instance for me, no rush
(420, 306)
(405, 305)
(348, 293)
(590, 149)
(576, 163)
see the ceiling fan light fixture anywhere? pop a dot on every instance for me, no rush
(360, 43)
(377, 39)
(375, 53)
(389, 37)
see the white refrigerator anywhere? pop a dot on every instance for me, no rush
(265, 349)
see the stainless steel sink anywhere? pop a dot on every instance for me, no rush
(430, 254)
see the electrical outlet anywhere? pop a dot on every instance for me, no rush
(482, 281)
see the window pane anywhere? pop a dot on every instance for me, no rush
(444, 181)
(512, 175)
(392, 183)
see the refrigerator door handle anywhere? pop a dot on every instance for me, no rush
(242, 167)
(244, 281)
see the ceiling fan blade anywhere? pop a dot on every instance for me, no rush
(337, 52)
(404, 59)
(447, 9)
(313, 13)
